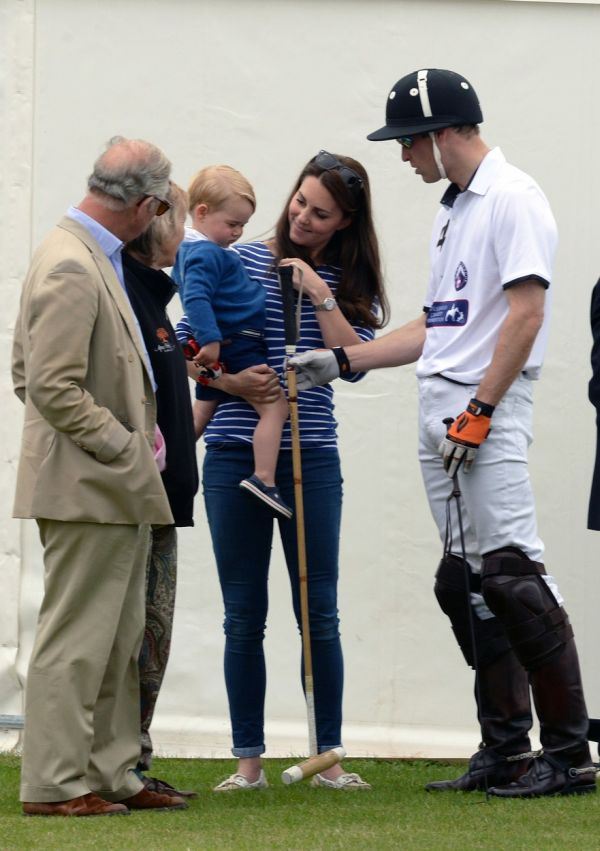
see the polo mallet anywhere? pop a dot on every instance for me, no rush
(316, 762)
(456, 495)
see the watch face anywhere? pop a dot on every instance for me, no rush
(328, 304)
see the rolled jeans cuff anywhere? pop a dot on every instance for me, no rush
(324, 748)
(245, 753)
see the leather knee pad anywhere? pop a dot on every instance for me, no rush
(515, 591)
(450, 590)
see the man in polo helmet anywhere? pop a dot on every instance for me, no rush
(425, 101)
(479, 347)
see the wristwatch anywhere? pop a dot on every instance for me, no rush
(328, 304)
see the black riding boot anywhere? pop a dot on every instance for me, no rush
(504, 710)
(505, 719)
(565, 766)
(516, 591)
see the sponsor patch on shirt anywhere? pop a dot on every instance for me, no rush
(461, 276)
(449, 313)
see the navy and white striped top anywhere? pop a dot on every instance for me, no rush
(235, 420)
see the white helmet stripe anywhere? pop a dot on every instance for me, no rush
(424, 94)
(427, 113)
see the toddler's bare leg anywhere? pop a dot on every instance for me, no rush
(267, 438)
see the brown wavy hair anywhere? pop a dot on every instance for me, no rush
(354, 248)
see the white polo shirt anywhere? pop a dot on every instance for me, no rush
(497, 232)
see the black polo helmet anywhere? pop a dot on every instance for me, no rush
(428, 100)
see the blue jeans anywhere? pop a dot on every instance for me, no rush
(242, 531)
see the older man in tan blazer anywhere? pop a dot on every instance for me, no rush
(88, 475)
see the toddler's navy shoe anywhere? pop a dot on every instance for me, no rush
(270, 496)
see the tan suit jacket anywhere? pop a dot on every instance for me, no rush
(78, 364)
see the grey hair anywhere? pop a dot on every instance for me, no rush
(129, 169)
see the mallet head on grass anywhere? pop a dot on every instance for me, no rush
(312, 765)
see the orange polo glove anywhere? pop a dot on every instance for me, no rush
(465, 435)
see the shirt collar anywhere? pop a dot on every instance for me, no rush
(108, 242)
(482, 179)
(193, 235)
(485, 175)
(450, 195)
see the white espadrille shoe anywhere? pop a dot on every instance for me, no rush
(344, 781)
(237, 783)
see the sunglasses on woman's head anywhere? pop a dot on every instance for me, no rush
(328, 162)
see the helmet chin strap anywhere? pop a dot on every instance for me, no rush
(427, 113)
(438, 157)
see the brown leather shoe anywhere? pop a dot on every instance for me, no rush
(153, 784)
(147, 800)
(84, 805)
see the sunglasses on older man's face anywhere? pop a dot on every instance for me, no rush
(163, 205)
(351, 179)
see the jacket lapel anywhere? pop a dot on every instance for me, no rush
(109, 276)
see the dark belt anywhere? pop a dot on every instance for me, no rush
(524, 373)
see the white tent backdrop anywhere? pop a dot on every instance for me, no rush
(263, 85)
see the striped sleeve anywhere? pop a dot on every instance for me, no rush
(183, 330)
(235, 420)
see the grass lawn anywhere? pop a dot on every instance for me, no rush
(397, 814)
